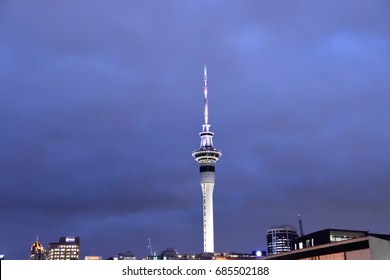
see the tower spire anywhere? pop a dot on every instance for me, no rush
(206, 101)
(206, 136)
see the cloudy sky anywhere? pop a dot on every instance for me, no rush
(101, 103)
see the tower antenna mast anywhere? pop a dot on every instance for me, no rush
(206, 101)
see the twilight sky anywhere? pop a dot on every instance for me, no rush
(101, 103)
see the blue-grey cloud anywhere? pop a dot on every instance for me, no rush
(101, 105)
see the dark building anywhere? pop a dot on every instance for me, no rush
(169, 254)
(279, 239)
(336, 244)
(324, 237)
(128, 255)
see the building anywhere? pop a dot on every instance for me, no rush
(336, 244)
(67, 248)
(93, 258)
(206, 156)
(324, 237)
(37, 251)
(168, 254)
(128, 255)
(279, 239)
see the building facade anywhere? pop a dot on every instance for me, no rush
(67, 248)
(279, 239)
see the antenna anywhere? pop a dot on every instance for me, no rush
(300, 225)
(206, 109)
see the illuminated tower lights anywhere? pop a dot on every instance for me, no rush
(206, 156)
(37, 251)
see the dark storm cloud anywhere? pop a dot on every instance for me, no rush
(101, 105)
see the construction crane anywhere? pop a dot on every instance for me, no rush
(150, 247)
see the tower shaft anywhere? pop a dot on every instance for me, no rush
(207, 179)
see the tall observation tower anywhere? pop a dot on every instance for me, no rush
(206, 156)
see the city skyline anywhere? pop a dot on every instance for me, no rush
(101, 107)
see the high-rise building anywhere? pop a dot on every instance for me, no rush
(37, 251)
(67, 248)
(279, 239)
(206, 156)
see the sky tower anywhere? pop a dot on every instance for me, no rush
(206, 156)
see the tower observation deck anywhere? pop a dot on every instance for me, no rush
(206, 156)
